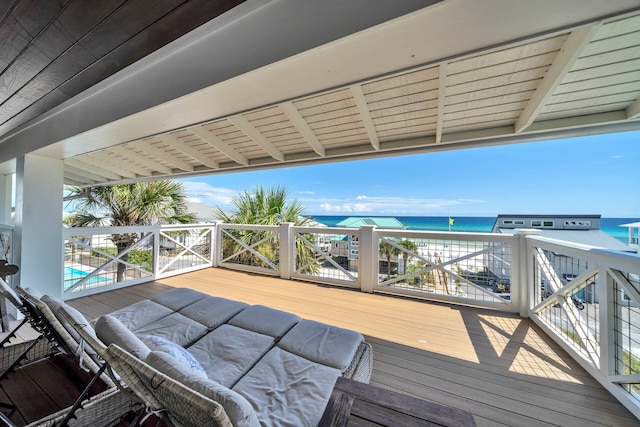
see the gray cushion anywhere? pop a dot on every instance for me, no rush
(78, 319)
(228, 352)
(176, 328)
(237, 408)
(265, 320)
(213, 311)
(111, 331)
(322, 343)
(178, 298)
(288, 390)
(141, 314)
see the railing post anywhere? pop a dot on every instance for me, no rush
(367, 258)
(607, 318)
(216, 244)
(156, 250)
(287, 250)
(523, 293)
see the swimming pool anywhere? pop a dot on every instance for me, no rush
(73, 276)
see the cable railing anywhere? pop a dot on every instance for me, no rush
(588, 300)
(97, 259)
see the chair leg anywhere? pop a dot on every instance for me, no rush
(78, 403)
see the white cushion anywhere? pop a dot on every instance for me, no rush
(180, 355)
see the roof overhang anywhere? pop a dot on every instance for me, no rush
(455, 74)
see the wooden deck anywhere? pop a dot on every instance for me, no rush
(498, 366)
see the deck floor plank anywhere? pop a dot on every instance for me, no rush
(500, 367)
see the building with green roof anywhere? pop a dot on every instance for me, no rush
(380, 222)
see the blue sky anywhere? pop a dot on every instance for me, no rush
(587, 175)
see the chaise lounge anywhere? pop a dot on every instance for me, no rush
(204, 359)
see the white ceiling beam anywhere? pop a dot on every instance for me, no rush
(147, 147)
(365, 115)
(257, 137)
(303, 127)
(442, 84)
(183, 147)
(104, 160)
(633, 110)
(219, 144)
(79, 164)
(68, 169)
(562, 63)
(129, 154)
(69, 175)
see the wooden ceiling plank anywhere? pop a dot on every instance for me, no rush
(249, 130)
(183, 147)
(294, 116)
(633, 110)
(147, 147)
(365, 115)
(78, 163)
(104, 159)
(79, 178)
(81, 172)
(219, 144)
(576, 43)
(128, 153)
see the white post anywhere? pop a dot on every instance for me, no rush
(156, 252)
(216, 244)
(367, 258)
(522, 292)
(287, 250)
(39, 248)
(5, 199)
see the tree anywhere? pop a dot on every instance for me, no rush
(388, 250)
(409, 246)
(266, 207)
(142, 203)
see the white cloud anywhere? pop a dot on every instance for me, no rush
(391, 205)
(202, 192)
(306, 192)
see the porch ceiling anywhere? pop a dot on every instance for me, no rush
(574, 79)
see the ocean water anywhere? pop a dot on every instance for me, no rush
(474, 223)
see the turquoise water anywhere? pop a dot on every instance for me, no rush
(475, 224)
(73, 275)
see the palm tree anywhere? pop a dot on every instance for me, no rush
(388, 250)
(409, 246)
(266, 207)
(142, 203)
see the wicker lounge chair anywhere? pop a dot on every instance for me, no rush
(104, 408)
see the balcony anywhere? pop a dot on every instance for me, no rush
(514, 328)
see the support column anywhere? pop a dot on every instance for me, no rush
(38, 247)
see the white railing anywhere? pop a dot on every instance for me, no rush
(471, 268)
(105, 258)
(588, 300)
